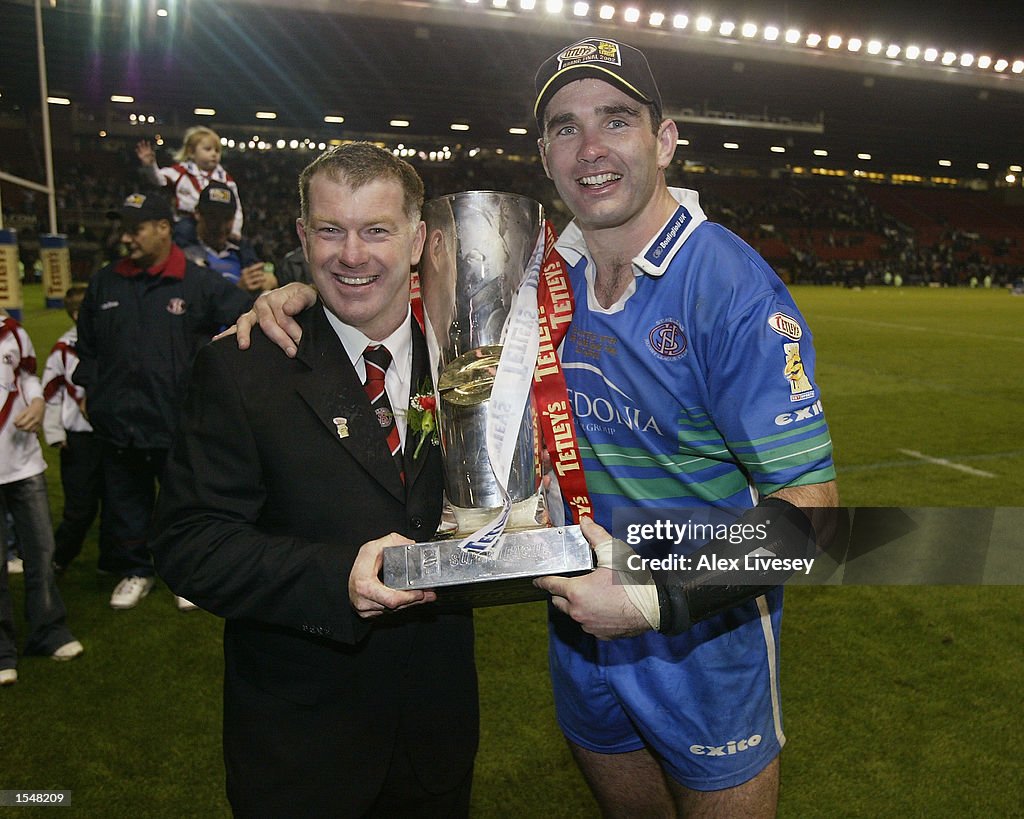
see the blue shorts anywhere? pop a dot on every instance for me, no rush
(705, 702)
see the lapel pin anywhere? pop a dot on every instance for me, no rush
(342, 425)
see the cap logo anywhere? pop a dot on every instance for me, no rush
(136, 200)
(221, 196)
(588, 51)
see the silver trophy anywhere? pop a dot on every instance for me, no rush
(478, 249)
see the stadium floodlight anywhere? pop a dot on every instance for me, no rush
(893, 51)
(820, 152)
(581, 9)
(58, 101)
(732, 146)
(499, 4)
(945, 163)
(204, 112)
(874, 47)
(865, 157)
(949, 57)
(726, 28)
(606, 12)
(1010, 178)
(777, 149)
(682, 142)
(913, 52)
(704, 24)
(984, 61)
(834, 41)
(966, 60)
(680, 21)
(459, 126)
(931, 55)
(334, 119)
(399, 123)
(631, 15)
(1018, 66)
(854, 44)
(518, 131)
(982, 166)
(1001, 65)
(1016, 169)
(280, 144)
(527, 5)
(656, 19)
(813, 40)
(121, 98)
(553, 6)
(792, 36)
(771, 33)
(266, 115)
(749, 30)
(162, 12)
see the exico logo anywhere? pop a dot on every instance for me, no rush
(729, 749)
(802, 414)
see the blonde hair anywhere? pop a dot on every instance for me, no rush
(193, 136)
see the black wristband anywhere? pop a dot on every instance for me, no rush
(687, 597)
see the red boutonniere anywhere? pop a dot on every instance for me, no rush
(422, 416)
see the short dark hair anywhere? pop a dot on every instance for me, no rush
(73, 298)
(358, 164)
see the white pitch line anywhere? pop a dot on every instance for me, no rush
(918, 329)
(970, 470)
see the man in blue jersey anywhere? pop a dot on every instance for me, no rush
(691, 375)
(670, 702)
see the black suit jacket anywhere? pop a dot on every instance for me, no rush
(261, 514)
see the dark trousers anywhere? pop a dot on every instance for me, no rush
(130, 478)
(81, 476)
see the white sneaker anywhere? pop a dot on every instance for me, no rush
(183, 604)
(68, 651)
(15, 566)
(130, 591)
(8, 676)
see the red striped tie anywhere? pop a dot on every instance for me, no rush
(378, 359)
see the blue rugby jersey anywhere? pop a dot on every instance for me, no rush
(697, 387)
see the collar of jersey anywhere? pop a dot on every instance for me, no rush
(669, 239)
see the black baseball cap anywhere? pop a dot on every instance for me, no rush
(616, 63)
(144, 207)
(217, 197)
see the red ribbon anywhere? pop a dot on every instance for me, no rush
(555, 304)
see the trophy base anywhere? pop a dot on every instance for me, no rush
(465, 578)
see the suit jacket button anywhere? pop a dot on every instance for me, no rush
(416, 522)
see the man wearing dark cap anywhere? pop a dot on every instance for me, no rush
(691, 375)
(668, 693)
(235, 260)
(141, 323)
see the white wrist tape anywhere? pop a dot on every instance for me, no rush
(638, 583)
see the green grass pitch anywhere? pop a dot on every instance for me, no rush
(899, 701)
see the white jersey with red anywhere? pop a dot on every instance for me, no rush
(63, 397)
(20, 454)
(188, 181)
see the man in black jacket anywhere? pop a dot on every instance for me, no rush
(288, 478)
(142, 322)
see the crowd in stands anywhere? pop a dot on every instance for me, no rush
(811, 229)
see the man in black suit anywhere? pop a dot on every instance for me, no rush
(342, 697)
